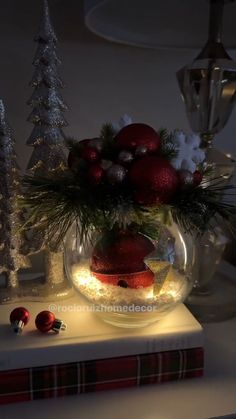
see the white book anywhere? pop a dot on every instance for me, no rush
(88, 338)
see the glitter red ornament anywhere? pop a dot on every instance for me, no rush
(122, 253)
(46, 321)
(19, 318)
(136, 135)
(155, 174)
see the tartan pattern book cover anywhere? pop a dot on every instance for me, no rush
(104, 374)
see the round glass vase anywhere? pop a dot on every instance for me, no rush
(129, 279)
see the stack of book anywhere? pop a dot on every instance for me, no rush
(92, 355)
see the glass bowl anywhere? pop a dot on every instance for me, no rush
(129, 279)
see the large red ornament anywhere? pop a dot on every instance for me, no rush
(153, 173)
(135, 135)
(122, 253)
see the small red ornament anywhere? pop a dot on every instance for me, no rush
(197, 178)
(122, 253)
(90, 154)
(95, 174)
(46, 321)
(136, 135)
(19, 317)
(154, 174)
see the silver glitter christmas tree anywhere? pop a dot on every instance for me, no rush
(47, 137)
(11, 240)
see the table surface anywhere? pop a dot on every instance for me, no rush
(200, 398)
(214, 395)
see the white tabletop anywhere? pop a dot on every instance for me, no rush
(198, 398)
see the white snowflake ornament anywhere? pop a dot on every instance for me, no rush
(189, 154)
(123, 122)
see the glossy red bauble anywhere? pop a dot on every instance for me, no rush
(154, 174)
(121, 253)
(19, 317)
(20, 314)
(45, 321)
(135, 135)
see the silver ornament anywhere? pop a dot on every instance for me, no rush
(96, 143)
(116, 174)
(141, 150)
(186, 177)
(125, 157)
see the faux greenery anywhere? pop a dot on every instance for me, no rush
(55, 203)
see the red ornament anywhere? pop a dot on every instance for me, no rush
(197, 178)
(90, 154)
(154, 174)
(95, 174)
(46, 321)
(135, 135)
(122, 253)
(19, 317)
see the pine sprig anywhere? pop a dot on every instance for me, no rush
(200, 208)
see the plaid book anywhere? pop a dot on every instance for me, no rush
(103, 374)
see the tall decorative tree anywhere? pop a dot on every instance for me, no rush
(47, 136)
(11, 240)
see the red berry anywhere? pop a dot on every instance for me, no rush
(90, 154)
(135, 135)
(197, 177)
(95, 173)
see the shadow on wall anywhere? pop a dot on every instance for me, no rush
(23, 17)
